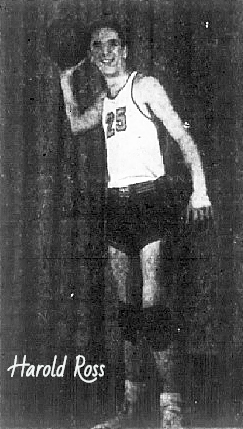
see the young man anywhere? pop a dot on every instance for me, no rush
(143, 203)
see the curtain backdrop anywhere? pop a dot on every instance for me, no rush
(53, 250)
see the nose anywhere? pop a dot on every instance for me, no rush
(106, 49)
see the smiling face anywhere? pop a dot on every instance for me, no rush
(107, 53)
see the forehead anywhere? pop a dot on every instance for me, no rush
(104, 34)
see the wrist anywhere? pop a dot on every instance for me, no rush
(198, 182)
(65, 79)
(199, 200)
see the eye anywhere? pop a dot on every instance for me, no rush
(114, 42)
(96, 44)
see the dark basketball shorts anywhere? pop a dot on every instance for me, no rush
(142, 213)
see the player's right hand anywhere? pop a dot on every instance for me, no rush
(69, 71)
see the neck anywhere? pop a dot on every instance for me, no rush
(115, 83)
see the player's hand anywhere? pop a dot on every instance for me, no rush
(199, 208)
(69, 72)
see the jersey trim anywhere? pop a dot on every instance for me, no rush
(109, 96)
(136, 104)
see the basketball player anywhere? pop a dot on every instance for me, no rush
(142, 202)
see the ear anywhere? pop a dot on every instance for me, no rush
(90, 56)
(125, 52)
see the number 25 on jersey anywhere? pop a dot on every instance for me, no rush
(116, 122)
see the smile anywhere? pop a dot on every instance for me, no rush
(109, 61)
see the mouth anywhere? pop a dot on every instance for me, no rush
(108, 62)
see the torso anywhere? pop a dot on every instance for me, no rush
(133, 149)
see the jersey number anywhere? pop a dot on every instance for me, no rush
(120, 119)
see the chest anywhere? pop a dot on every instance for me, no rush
(124, 114)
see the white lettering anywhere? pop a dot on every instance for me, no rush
(38, 369)
(15, 365)
(102, 371)
(46, 370)
(61, 368)
(30, 371)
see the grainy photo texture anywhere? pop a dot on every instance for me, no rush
(121, 214)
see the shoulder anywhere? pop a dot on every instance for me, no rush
(147, 86)
(143, 81)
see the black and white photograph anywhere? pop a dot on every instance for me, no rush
(121, 168)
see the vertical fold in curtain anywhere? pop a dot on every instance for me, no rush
(53, 194)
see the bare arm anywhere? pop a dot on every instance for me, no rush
(154, 95)
(80, 122)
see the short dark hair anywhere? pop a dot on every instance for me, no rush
(113, 24)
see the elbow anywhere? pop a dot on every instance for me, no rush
(75, 131)
(75, 127)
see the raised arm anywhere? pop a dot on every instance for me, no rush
(158, 100)
(87, 120)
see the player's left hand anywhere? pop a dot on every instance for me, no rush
(199, 208)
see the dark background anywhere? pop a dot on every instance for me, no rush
(52, 190)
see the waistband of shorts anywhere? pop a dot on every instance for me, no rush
(138, 188)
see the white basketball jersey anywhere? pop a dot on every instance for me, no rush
(132, 144)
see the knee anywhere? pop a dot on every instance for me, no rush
(149, 300)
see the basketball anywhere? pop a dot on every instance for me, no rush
(67, 42)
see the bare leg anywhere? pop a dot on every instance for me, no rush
(120, 279)
(120, 265)
(154, 294)
(151, 260)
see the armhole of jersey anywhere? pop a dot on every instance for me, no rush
(136, 104)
